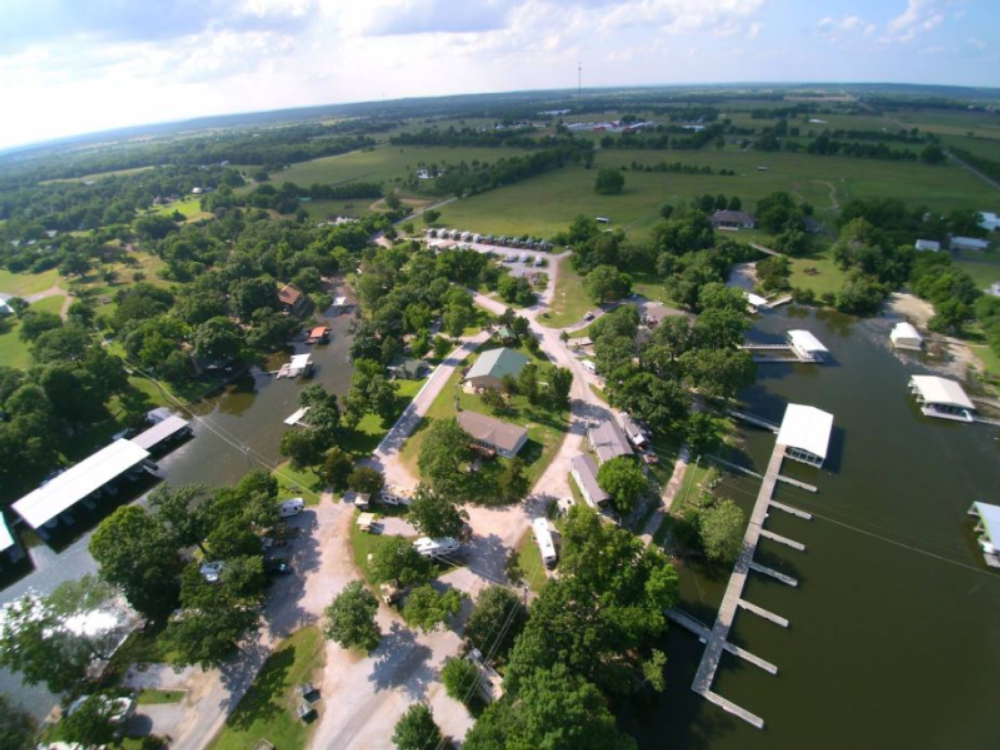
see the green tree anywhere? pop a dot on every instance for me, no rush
(302, 447)
(512, 483)
(606, 284)
(217, 339)
(135, 552)
(496, 622)
(442, 347)
(431, 215)
(16, 726)
(34, 323)
(350, 619)
(624, 481)
(703, 433)
(185, 511)
(426, 608)
(34, 643)
(560, 384)
(396, 560)
(336, 468)
(416, 729)
(610, 182)
(553, 709)
(365, 479)
(436, 516)
(460, 677)
(442, 456)
(720, 527)
(89, 724)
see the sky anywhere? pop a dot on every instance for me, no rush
(77, 66)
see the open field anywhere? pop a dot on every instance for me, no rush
(951, 122)
(24, 284)
(99, 175)
(827, 277)
(569, 303)
(984, 273)
(546, 204)
(189, 207)
(13, 351)
(988, 148)
(383, 164)
(268, 708)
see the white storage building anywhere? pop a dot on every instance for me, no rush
(905, 336)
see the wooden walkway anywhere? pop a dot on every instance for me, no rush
(753, 419)
(792, 511)
(761, 612)
(783, 540)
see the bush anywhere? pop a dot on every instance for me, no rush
(460, 677)
(351, 618)
(609, 182)
(416, 730)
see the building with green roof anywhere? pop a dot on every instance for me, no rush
(489, 370)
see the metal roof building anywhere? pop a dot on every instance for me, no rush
(489, 370)
(505, 438)
(608, 441)
(942, 398)
(989, 529)
(584, 472)
(806, 346)
(906, 336)
(77, 482)
(172, 426)
(805, 432)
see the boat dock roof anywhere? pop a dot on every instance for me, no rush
(806, 428)
(74, 484)
(806, 341)
(6, 538)
(160, 431)
(935, 390)
(990, 516)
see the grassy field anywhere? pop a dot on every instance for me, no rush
(190, 207)
(984, 273)
(548, 203)
(13, 351)
(546, 429)
(25, 284)
(385, 164)
(569, 303)
(981, 124)
(530, 561)
(827, 277)
(159, 697)
(293, 483)
(267, 711)
(99, 175)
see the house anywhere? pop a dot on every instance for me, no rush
(927, 245)
(733, 220)
(584, 473)
(755, 303)
(408, 369)
(609, 441)
(989, 221)
(945, 399)
(493, 434)
(806, 346)
(905, 336)
(505, 335)
(489, 370)
(969, 243)
(988, 529)
(805, 433)
(292, 300)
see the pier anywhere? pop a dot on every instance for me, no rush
(791, 511)
(754, 420)
(717, 639)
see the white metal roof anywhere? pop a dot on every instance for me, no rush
(543, 536)
(6, 539)
(300, 361)
(806, 428)
(74, 484)
(905, 331)
(990, 515)
(805, 341)
(297, 417)
(756, 300)
(937, 390)
(160, 432)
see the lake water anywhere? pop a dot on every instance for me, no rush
(894, 639)
(234, 432)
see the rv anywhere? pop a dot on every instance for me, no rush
(543, 537)
(289, 508)
(427, 547)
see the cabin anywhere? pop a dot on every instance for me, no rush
(96, 475)
(608, 441)
(318, 335)
(969, 243)
(733, 220)
(905, 336)
(292, 301)
(490, 369)
(988, 528)
(584, 473)
(806, 346)
(543, 538)
(942, 398)
(492, 434)
(929, 246)
(805, 433)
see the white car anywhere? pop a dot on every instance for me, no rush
(212, 571)
(589, 316)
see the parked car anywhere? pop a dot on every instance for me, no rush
(292, 507)
(212, 571)
(277, 567)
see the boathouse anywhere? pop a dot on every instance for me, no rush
(906, 336)
(298, 366)
(942, 398)
(83, 482)
(805, 433)
(806, 346)
(988, 529)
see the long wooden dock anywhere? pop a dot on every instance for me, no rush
(791, 511)
(783, 540)
(761, 612)
(754, 420)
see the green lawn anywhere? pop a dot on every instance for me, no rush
(569, 303)
(364, 544)
(24, 284)
(984, 274)
(13, 351)
(49, 304)
(364, 439)
(386, 164)
(99, 175)
(990, 361)
(827, 277)
(158, 697)
(294, 483)
(189, 207)
(530, 561)
(546, 429)
(267, 711)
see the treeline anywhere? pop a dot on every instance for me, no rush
(463, 180)
(520, 137)
(902, 136)
(989, 167)
(677, 168)
(664, 137)
(824, 145)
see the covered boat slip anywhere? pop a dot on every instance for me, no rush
(171, 428)
(78, 483)
(942, 398)
(988, 529)
(9, 546)
(805, 433)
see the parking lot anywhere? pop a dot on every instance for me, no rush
(511, 257)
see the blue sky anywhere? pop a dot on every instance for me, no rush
(69, 66)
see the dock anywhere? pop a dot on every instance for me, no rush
(775, 574)
(797, 483)
(761, 612)
(780, 301)
(754, 420)
(798, 546)
(791, 511)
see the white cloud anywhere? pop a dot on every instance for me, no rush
(845, 27)
(920, 16)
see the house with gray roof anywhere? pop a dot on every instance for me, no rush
(608, 441)
(584, 472)
(493, 434)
